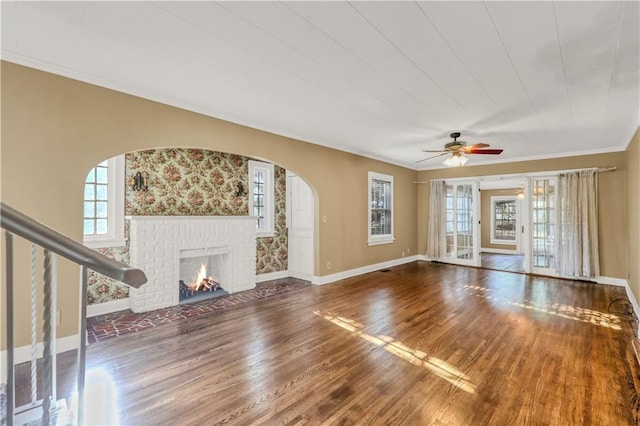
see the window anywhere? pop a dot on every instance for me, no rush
(503, 220)
(261, 196)
(380, 209)
(103, 224)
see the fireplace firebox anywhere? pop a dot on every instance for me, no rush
(203, 273)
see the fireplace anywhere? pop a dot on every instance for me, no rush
(162, 245)
(203, 274)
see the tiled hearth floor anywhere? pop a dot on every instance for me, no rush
(115, 324)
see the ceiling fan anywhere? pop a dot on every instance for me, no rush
(456, 148)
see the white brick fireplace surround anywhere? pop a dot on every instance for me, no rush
(156, 243)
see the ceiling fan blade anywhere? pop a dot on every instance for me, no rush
(474, 146)
(484, 151)
(430, 158)
(436, 150)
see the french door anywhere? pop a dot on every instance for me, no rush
(462, 223)
(539, 226)
(544, 221)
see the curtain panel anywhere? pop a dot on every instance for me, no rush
(578, 234)
(437, 221)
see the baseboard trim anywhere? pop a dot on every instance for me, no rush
(634, 302)
(620, 282)
(498, 251)
(327, 279)
(272, 276)
(108, 307)
(23, 353)
(301, 276)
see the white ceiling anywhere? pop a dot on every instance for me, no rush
(380, 79)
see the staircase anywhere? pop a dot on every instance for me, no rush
(47, 244)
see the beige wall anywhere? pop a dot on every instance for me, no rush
(633, 214)
(612, 199)
(55, 129)
(485, 217)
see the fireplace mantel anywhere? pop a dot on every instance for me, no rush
(156, 243)
(191, 218)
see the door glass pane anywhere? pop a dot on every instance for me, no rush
(450, 223)
(464, 221)
(544, 223)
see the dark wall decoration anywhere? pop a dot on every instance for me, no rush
(194, 182)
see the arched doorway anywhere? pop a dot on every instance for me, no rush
(300, 224)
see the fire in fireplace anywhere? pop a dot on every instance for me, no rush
(203, 286)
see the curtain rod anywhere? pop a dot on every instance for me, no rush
(522, 175)
(605, 169)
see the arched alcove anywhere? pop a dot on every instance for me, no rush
(181, 181)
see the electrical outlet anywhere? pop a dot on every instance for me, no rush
(324, 219)
(408, 250)
(403, 253)
(329, 265)
(58, 317)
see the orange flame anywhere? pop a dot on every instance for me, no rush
(200, 279)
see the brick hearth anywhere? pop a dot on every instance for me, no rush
(116, 324)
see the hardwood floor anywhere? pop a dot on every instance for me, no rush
(503, 262)
(423, 344)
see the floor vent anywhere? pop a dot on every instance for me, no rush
(385, 270)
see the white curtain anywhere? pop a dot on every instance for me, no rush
(437, 222)
(578, 233)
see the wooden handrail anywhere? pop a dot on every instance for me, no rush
(19, 224)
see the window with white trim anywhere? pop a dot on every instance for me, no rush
(380, 209)
(504, 212)
(261, 198)
(103, 223)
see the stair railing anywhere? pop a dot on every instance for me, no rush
(53, 244)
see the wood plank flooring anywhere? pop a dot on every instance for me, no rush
(503, 262)
(424, 344)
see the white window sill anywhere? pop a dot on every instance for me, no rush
(95, 243)
(504, 242)
(265, 234)
(380, 241)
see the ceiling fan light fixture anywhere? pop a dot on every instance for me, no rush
(456, 160)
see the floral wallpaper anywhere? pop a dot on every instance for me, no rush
(101, 289)
(187, 182)
(194, 182)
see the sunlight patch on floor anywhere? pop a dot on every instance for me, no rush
(557, 309)
(416, 357)
(100, 398)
